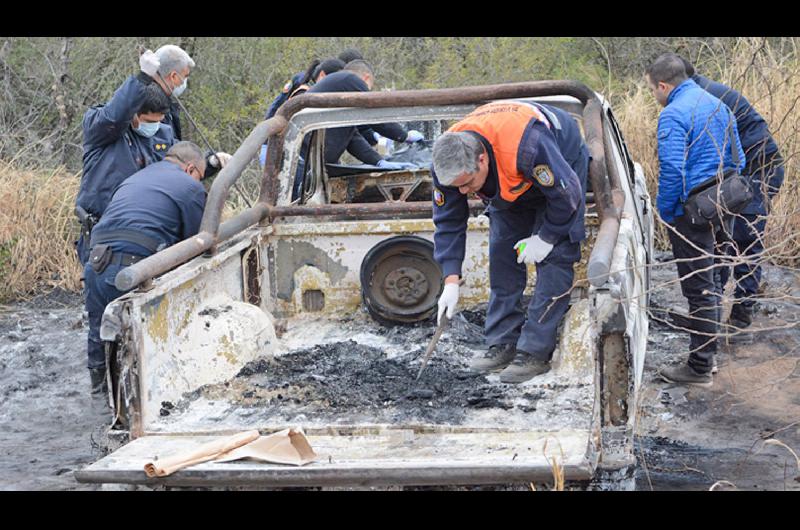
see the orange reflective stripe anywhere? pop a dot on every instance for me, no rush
(503, 123)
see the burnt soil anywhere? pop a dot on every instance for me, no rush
(687, 439)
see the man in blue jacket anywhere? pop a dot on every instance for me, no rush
(529, 163)
(764, 165)
(156, 207)
(694, 129)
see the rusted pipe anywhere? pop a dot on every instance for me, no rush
(601, 168)
(275, 128)
(219, 191)
(375, 208)
(160, 262)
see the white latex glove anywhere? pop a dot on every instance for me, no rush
(414, 136)
(149, 63)
(448, 301)
(385, 164)
(532, 249)
(219, 159)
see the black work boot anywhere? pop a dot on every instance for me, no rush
(685, 375)
(741, 316)
(98, 378)
(523, 367)
(496, 358)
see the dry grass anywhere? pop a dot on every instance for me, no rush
(37, 230)
(771, 82)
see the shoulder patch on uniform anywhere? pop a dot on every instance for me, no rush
(544, 175)
(438, 197)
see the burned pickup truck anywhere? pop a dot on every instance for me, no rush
(315, 313)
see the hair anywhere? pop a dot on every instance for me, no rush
(173, 59)
(667, 68)
(187, 153)
(328, 66)
(155, 100)
(688, 67)
(455, 153)
(359, 66)
(350, 54)
(309, 75)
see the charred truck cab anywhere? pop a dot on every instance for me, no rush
(353, 253)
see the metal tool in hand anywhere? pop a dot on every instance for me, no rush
(196, 128)
(436, 335)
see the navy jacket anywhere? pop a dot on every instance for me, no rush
(760, 149)
(173, 119)
(560, 147)
(161, 202)
(693, 129)
(287, 90)
(345, 138)
(112, 150)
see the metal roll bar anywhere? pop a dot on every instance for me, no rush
(602, 172)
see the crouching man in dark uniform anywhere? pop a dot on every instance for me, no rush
(529, 163)
(154, 208)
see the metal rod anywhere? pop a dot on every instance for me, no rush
(200, 132)
(603, 179)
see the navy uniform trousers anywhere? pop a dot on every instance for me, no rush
(533, 331)
(99, 290)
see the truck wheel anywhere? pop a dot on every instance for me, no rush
(400, 281)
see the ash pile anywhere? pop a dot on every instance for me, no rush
(348, 381)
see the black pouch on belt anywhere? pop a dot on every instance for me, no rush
(100, 257)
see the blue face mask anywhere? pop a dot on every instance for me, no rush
(147, 130)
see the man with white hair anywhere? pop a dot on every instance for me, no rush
(174, 68)
(529, 163)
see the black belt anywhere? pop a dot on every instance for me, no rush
(121, 258)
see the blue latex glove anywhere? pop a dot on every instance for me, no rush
(385, 164)
(414, 136)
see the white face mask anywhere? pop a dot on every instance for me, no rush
(148, 130)
(178, 90)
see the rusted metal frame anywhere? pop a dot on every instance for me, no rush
(375, 208)
(275, 129)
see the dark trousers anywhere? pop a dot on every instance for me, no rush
(745, 239)
(533, 331)
(696, 273)
(99, 290)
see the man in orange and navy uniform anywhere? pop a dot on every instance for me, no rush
(529, 163)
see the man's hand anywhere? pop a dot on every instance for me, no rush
(448, 301)
(532, 249)
(385, 164)
(219, 159)
(149, 63)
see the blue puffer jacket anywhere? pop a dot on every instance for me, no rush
(693, 130)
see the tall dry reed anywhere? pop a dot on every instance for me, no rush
(37, 230)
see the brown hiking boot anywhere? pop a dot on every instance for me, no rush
(523, 367)
(496, 358)
(685, 375)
